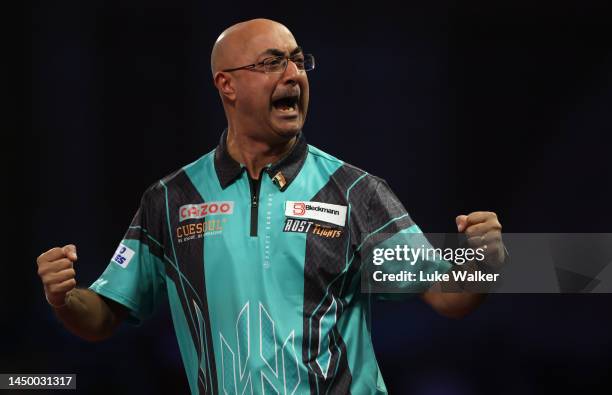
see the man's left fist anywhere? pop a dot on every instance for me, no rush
(483, 230)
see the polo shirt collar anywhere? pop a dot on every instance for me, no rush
(282, 172)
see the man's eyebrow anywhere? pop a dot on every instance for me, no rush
(278, 52)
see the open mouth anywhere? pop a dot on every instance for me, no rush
(286, 104)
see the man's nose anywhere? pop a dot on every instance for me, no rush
(292, 73)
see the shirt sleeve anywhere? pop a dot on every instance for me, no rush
(135, 275)
(390, 227)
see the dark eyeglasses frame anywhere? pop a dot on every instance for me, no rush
(254, 66)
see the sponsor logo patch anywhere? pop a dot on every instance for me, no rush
(123, 255)
(201, 210)
(306, 226)
(326, 212)
(197, 230)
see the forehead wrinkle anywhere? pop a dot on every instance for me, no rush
(278, 52)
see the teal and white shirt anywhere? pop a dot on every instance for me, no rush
(262, 276)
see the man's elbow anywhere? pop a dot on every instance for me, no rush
(455, 312)
(93, 333)
(94, 338)
(459, 305)
(453, 305)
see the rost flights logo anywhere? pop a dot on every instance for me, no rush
(201, 210)
(306, 226)
(326, 212)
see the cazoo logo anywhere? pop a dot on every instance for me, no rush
(201, 210)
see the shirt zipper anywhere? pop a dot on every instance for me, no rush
(255, 185)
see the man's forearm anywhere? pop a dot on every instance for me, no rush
(455, 298)
(87, 315)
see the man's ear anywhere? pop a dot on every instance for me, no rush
(224, 83)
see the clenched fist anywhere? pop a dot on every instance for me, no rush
(55, 268)
(482, 228)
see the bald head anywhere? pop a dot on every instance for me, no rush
(263, 104)
(232, 46)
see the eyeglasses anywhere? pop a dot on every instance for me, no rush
(278, 64)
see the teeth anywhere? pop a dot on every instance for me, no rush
(287, 103)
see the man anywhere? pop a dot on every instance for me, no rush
(257, 244)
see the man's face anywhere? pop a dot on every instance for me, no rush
(274, 103)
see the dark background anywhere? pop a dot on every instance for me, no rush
(501, 106)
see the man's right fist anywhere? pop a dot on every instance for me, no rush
(55, 268)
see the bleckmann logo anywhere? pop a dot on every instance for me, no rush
(326, 212)
(300, 208)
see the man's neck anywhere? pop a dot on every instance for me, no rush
(255, 154)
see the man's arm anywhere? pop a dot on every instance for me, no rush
(89, 315)
(482, 228)
(82, 311)
(452, 305)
